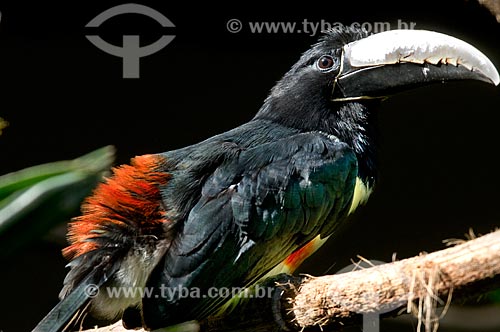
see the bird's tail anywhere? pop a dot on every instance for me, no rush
(124, 215)
(73, 307)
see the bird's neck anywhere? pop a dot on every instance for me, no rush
(353, 123)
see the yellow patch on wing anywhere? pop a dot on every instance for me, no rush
(361, 194)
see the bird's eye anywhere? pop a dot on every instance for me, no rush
(325, 62)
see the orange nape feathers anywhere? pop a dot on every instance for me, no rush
(129, 198)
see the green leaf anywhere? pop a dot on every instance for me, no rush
(93, 162)
(35, 199)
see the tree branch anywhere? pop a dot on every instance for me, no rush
(415, 285)
(419, 283)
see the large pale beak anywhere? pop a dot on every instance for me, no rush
(396, 60)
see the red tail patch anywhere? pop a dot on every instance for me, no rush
(131, 196)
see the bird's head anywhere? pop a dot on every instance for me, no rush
(335, 84)
(349, 65)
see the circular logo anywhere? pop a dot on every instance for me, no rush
(91, 290)
(234, 25)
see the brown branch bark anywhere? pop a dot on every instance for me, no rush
(418, 285)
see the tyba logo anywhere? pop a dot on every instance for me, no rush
(130, 51)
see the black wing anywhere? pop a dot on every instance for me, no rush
(254, 210)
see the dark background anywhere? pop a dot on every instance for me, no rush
(63, 97)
